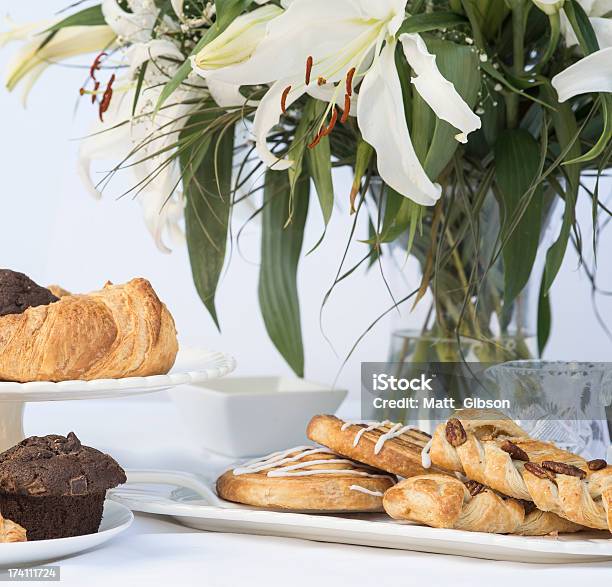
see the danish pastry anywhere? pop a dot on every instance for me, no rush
(120, 331)
(443, 501)
(491, 449)
(398, 449)
(306, 478)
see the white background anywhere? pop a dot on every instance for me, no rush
(52, 230)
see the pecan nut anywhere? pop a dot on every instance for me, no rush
(597, 465)
(455, 432)
(516, 452)
(563, 469)
(539, 471)
(474, 487)
(528, 506)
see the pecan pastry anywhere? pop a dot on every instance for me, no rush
(11, 532)
(306, 478)
(501, 455)
(396, 448)
(442, 501)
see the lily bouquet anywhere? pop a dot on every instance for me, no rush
(464, 122)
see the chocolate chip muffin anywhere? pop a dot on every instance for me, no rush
(18, 293)
(55, 487)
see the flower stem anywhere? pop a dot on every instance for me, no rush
(553, 41)
(518, 64)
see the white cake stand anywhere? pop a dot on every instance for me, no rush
(192, 366)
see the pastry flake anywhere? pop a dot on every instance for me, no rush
(11, 532)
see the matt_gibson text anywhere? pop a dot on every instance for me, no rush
(431, 403)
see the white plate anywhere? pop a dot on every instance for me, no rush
(116, 519)
(192, 366)
(190, 507)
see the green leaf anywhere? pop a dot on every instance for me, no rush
(281, 247)
(207, 179)
(91, 16)
(517, 163)
(581, 26)
(363, 157)
(566, 131)
(544, 317)
(320, 169)
(142, 71)
(434, 139)
(421, 23)
(308, 126)
(229, 10)
(401, 215)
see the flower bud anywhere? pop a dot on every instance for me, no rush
(549, 7)
(238, 42)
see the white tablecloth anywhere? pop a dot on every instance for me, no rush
(147, 433)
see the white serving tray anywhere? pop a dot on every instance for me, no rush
(116, 519)
(191, 506)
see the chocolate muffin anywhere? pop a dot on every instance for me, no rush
(55, 487)
(18, 293)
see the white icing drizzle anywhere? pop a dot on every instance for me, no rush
(277, 459)
(365, 490)
(395, 431)
(425, 456)
(283, 465)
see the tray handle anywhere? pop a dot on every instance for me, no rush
(177, 478)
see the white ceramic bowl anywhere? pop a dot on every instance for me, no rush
(251, 416)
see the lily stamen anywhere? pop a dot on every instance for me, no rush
(332, 123)
(284, 99)
(349, 81)
(95, 92)
(309, 64)
(96, 65)
(316, 140)
(106, 97)
(347, 109)
(321, 81)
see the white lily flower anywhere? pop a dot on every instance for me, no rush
(339, 44)
(591, 74)
(136, 26)
(153, 134)
(235, 45)
(24, 31)
(549, 7)
(32, 59)
(177, 6)
(599, 12)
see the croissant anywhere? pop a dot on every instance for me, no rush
(442, 501)
(491, 449)
(120, 331)
(11, 532)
